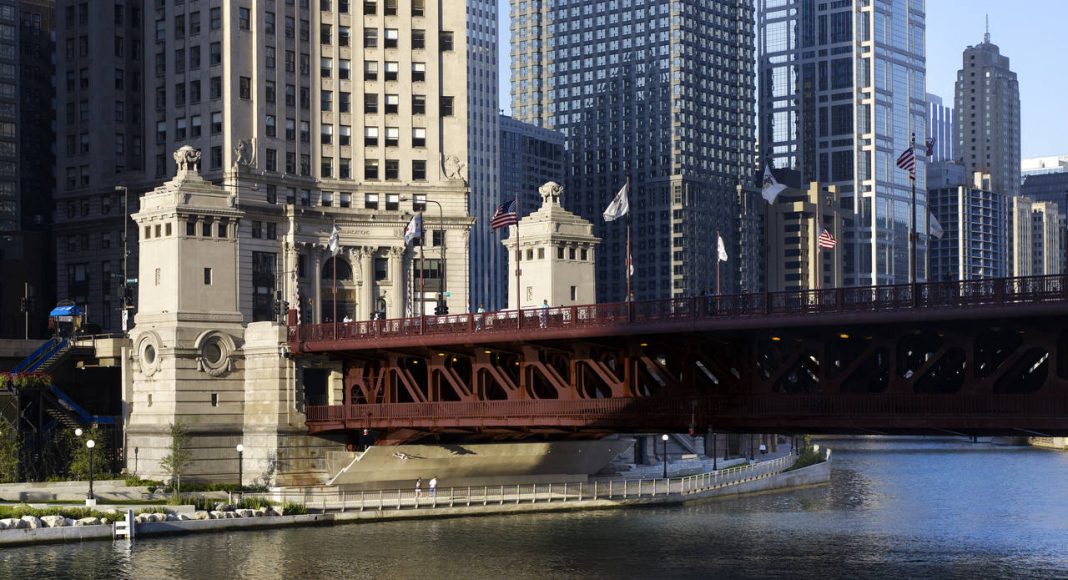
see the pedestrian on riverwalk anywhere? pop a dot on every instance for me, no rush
(418, 488)
(434, 486)
(763, 450)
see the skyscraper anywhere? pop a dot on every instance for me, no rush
(99, 145)
(988, 116)
(842, 91)
(940, 130)
(658, 92)
(27, 162)
(483, 110)
(974, 221)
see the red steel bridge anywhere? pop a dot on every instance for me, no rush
(975, 357)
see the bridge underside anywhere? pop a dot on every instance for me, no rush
(1003, 375)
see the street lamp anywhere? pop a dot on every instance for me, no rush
(240, 463)
(715, 465)
(442, 266)
(90, 500)
(664, 438)
(125, 253)
(78, 432)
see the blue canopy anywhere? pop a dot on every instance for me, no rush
(66, 311)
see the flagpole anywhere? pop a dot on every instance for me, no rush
(630, 263)
(518, 258)
(819, 250)
(912, 248)
(718, 260)
(333, 269)
(422, 266)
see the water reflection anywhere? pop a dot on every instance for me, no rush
(908, 509)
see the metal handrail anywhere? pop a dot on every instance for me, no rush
(928, 295)
(528, 493)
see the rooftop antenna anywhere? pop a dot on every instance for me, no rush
(986, 37)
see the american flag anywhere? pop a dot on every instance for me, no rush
(826, 240)
(907, 161)
(504, 216)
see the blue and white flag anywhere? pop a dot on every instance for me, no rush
(414, 229)
(334, 243)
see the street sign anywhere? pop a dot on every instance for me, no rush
(131, 280)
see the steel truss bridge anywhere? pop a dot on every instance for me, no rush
(985, 356)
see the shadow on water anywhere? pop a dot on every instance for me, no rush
(894, 509)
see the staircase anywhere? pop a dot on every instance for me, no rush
(62, 408)
(45, 357)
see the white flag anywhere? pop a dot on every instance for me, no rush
(935, 228)
(414, 229)
(620, 205)
(334, 244)
(721, 248)
(772, 188)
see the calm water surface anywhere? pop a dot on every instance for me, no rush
(893, 510)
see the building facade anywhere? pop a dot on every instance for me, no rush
(658, 92)
(1042, 165)
(99, 146)
(941, 130)
(974, 222)
(484, 153)
(796, 220)
(842, 93)
(27, 163)
(987, 116)
(529, 157)
(1037, 237)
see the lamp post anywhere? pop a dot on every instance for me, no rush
(124, 314)
(78, 432)
(90, 500)
(715, 465)
(441, 264)
(664, 438)
(240, 463)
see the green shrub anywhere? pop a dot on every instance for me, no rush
(294, 509)
(254, 503)
(74, 513)
(134, 481)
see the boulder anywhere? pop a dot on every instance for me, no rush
(218, 515)
(87, 522)
(261, 512)
(246, 513)
(201, 515)
(223, 507)
(54, 521)
(12, 524)
(184, 517)
(171, 517)
(32, 522)
(276, 511)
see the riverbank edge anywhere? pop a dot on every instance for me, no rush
(813, 475)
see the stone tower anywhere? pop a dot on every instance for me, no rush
(556, 250)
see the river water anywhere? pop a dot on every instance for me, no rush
(902, 509)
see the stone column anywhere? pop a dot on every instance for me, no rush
(398, 283)
(366, 255)
(317, 283)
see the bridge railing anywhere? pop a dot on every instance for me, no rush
(530, 409)
(968, 293)
(529, 493)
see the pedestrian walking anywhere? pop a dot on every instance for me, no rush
(418, 488)
(434, 486)
(543, 313)
(763, 450)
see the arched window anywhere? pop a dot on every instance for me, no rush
(344, 271)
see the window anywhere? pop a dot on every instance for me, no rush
(245, 88)
(269, 59)
(391, 7)
(446, 107)
(370, 103)
(370, 201)
(194, 92)
(418, 72)
(392, 201)
(392, 136)
(257, 229)
(216, 123)
(418, 137)
(344, 102)
(418, 104)
(305, 197)
(326, 67)
(392, 37)
(268, 22)
(326, 34)
(346, 200)
(370, 7)
(392, 68)
(215, 54)
(392, 169)
(328, 198)
(244, 19)
(418, 39)
(271, 126)
(179, 129)
(269, 91)
(326, 98)
(291, 129)
(344, 68)
(370, 70)
(418, 7)
(326, 167)
(291, 96)
(370, 136)
(216, 157)
(194, 58)
(370, 169)
(392, 104)
(272, 160)
(343, 35)
(207, 276)
(194, 126)
(446, 41)
(215, 17)
(345, 136)
(370, 38)
(194, 23)
(326, 135)
(418, 170)
(345, 169)
(305, 132)
(264, 275)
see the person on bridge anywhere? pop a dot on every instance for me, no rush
(434, 486)
(543, 313)
(418, 489)
(478, 316)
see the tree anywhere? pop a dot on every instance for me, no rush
(78, 468)
(179, 457)
(9, 456)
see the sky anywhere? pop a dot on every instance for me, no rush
(1032, 33)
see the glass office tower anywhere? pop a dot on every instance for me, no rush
(660, 92)
(842, 90)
